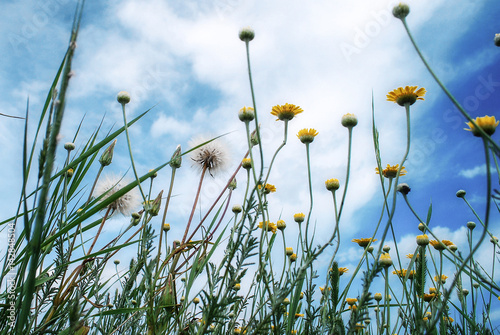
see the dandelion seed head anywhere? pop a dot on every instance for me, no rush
(111, 184)
(212, 157)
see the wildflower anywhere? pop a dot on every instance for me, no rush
(423, 239)
(107, 155)
(176, 160)
(196, 300)
(297, 315)
(441, 280)
(447, 318)
(289, 251)
(286, 111)
(391, 171)
(410, 256)
(246, 114)
(432, 290)
(232, 184)
(403, 188)
(349, 120)
(429, 297)
(465, 292)
(69, 173)
(246, 34)
(116, 261)
(123, 97)
(237, 287)
(386, 248)
(440, 246)
(402, 273)
(108, 186)
(351, 301)
(342, 271)
(281, 225)
(363, 242)
(268, 226)
(246, 163)
(286, 301)
(212, 156)
(385, 260)
(166, 227)
(332, 184)
(453, 247)
(69, 146)
(136, 217)
(299, 217)
(494, 240)
(377, 296)
(293, 257)
(460, 193)
(407, 95)
(307, 135)
(237, 209)
(268, 188)
(487, 123)
(471, 225)
(237, 331)
(421, 227)
(153, 207)
(401, 11)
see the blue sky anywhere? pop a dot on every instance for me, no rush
(327, 56)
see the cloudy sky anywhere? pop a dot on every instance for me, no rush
(328, 57)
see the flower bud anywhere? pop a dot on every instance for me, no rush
(136, 217)
(471, 225)
(246, 34)
(349, 120)
(116, 261)
(237, 209)
(496, 39)
(232, 184)
(153, 208)
(421, 227)
(403, 188)
(246, 163)
(107, 155)
(423, 239)
(460, 193)
(378, 296)
(166, 227)
(69, 173)
(176, 160)
(289, 251)
(332, 184)
(196, 300)
(246, 114)
(386, 248)
(293, 257)
(385, 260)
(123, 97)
(281, 225)
(69, 146)
(254, 139)
(401, 11)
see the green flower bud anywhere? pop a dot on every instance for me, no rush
(107, 155)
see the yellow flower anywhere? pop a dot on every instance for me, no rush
(391, 171)
(268, 188)
(402, 273)
(289, 251)
(268, 226)
(281, 225)
(447, 318)
(307, 135)
(363, 242)
(351, 301)
(439, 246)
(342, 271)
(487, 123)
(297, 315)
(332, 184)
(246, 163)
(299, 217)
(237, 287)
(293, 257)
(407, 95)
(441, 280)
(429, 297)
(385, 260)
(423, 239)
(286, 111)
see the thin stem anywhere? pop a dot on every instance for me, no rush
(194, 204)
(130, 152)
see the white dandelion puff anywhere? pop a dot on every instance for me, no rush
(212, 157)
(125, 204)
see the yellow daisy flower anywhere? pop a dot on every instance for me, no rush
(351, 301)
(286, 111)
(363, 242)
(439, 246)
(268, 188)
(299, 217)
(407, 95)
(268, 226)
(487, 123)
(391, 171)
(307, 135)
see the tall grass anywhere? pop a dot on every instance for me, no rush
(54, 271)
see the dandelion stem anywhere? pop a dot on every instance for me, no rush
(130, 152)
(194, 204)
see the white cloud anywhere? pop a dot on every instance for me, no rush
(479, 170)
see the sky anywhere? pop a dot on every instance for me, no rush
(185, 60)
